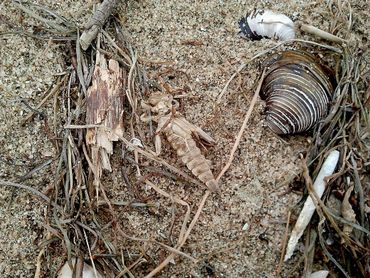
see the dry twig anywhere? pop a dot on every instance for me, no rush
(96, 22)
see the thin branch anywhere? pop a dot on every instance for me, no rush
(96, 22)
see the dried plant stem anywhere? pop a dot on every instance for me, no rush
(359, 191)
(326, 252)
(177, 200)
(191, 226)
(285, 241)
(320, 33)
(28, 188)
(161, 161)
(240, 134)
(52, 23)
(90, 255)
(51, 93)
(309, 252)
(241, 67)
(39, 262)
(82, 126)
(171, 249)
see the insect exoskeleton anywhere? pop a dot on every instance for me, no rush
(266, 24)
(297, 90)
(179, 133)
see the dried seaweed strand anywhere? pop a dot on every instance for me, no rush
(177, 200)
(26, 187)
(309, 252)
(166, 261)
(175, 250)
(53, 24)
(284, 244)
(359, 190)
(54, 91)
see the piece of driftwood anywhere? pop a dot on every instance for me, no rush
(105, 99)
(96, 22)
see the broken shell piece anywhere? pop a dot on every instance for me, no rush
(320, 274)
(245, 227)
(266, 24)
(136, 142)
(87, 272)
(309, 207)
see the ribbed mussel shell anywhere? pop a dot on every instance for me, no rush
(297, 90)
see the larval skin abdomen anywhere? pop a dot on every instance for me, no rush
(182, 141)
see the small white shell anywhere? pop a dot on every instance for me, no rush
(320, 274)
(267, 24)
(87, 272)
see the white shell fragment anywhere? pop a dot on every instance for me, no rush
(308, 210)
(266, 24)
(87, 272)
(320, 274)
(245, 227)
(136, 142)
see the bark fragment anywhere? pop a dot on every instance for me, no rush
(105, 99)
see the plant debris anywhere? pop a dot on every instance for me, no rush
(92, 215)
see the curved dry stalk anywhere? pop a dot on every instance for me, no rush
(166, 261)
(52, 92)
(327, 253)
(207, 193)
(171, 249)
(150, 156)
(283, 246)
(177, 200)
(52, 23)
(240, 133)
(38, 263)
(26, 187)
